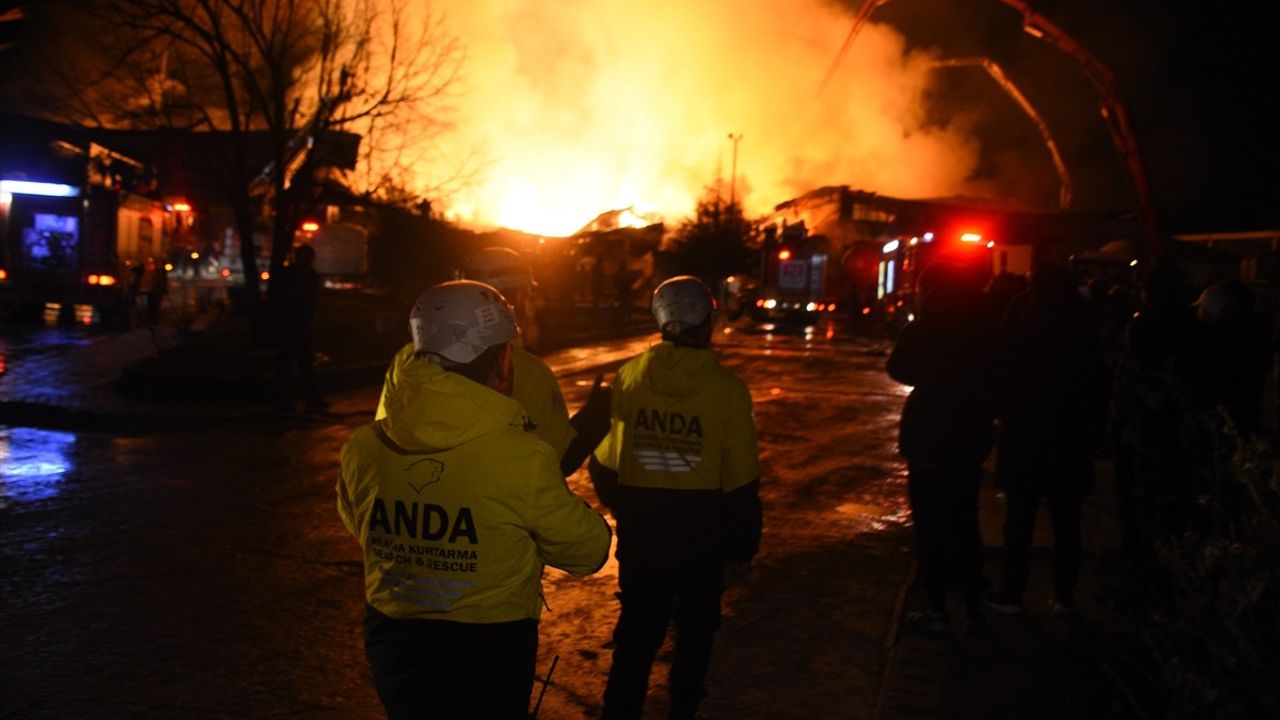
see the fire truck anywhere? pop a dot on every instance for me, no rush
(77, 221)
(957, 249)
(798, 279)
(858, 254)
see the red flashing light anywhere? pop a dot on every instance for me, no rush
(971, 237)
(310, 226)
(225, 272)
(784, 254)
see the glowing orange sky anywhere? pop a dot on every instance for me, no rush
(582, 106)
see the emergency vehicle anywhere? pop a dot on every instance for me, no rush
(806, 276)
(955, 249)
(77, 222)
(859, 254)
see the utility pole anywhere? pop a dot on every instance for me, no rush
(733, 173)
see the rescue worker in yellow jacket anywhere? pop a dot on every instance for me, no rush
(534, 384)
(679, 472)
(457, 507)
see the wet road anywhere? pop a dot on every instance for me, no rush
(206, 575)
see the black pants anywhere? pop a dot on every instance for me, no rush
(652, 598)
(440, 669)
(293, 353)
(944, 510)
(1065, 510)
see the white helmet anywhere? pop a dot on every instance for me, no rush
(456, 321)
(1222, 302)
(681, 303)
(500, 267)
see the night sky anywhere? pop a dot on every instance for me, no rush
(1196, 78)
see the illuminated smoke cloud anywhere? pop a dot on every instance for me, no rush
(581, 106)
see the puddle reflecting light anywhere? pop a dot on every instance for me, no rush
(32, 463)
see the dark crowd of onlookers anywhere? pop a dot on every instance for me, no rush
(1045, 376)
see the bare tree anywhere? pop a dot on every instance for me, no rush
(273, 74)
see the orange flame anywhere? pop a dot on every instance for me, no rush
(593, 105)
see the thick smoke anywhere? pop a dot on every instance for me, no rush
(581, 106)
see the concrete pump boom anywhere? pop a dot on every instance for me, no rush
(1114, 113)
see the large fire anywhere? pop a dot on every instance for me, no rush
(575, 107)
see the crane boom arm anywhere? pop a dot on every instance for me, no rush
(1114, 113)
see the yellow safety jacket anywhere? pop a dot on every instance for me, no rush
(682, 441)
(534, 386)
(457, 506)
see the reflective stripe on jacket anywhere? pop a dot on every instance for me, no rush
(457, 506)
(683, 442)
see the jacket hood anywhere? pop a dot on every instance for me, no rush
(675, 371)
(430, 409)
